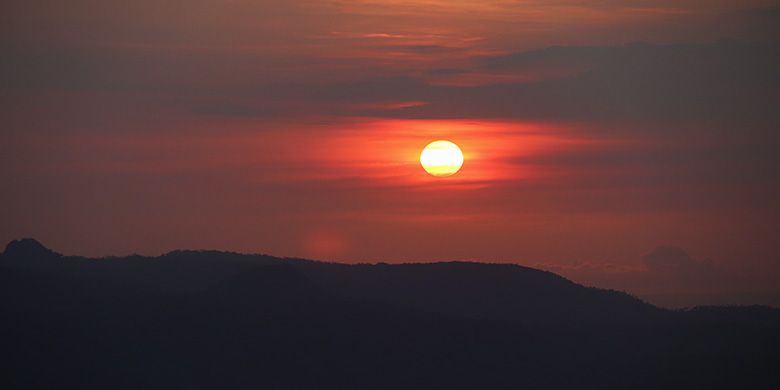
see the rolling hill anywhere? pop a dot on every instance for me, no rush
(206, 319)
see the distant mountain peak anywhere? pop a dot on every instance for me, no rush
(28, 248)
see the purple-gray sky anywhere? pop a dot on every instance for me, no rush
(600, 136)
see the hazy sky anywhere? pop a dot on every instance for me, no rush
(594, 132)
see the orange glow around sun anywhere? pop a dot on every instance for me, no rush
(369, 153)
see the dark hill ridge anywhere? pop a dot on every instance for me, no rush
(208, 319)
(494, 291)
(480, 290)
(28, 249)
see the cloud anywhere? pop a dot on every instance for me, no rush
(649, 82)
(197, 57)
(643, 84)
(634, 83)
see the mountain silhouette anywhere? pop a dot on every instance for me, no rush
(208, 319)
(28, 249)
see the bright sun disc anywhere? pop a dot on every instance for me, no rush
(441, 158)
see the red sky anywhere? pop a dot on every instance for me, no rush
(593, 131)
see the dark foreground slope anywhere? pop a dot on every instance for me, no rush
(223, 320)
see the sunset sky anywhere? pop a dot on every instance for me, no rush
(594, 132)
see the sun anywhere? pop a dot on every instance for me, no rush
(441, 158)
